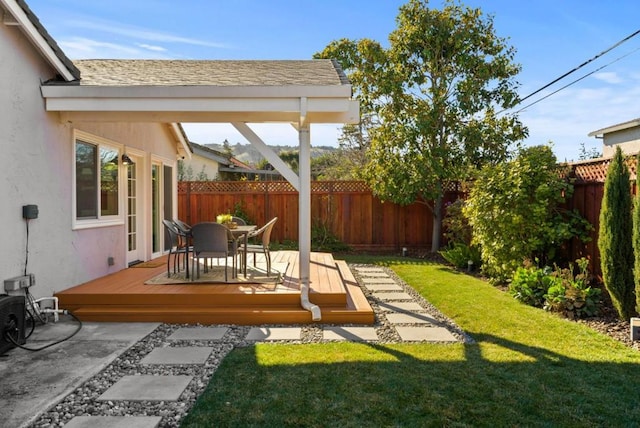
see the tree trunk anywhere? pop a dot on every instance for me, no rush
(437, 224)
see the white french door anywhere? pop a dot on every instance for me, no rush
(135, 235)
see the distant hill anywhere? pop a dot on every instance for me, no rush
(250, 155)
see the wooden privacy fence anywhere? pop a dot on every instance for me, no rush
(352, 214)
(347, 208)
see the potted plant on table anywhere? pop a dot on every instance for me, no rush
(227, 220)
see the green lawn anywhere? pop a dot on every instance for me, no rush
(527, 368)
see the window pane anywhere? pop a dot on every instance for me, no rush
(108, 181)
(86, 180)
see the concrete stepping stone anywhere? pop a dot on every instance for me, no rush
(114, 422)
(383, 287)
(199, 333)
(147, 388)
(374, 274)
(274, 333)
(412, 318)
(401, 307)
(368, 269)
(178, 355)
(428, 334)
(379, 281)
(353, 334)
(392, 296)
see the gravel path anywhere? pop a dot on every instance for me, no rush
(83, 401)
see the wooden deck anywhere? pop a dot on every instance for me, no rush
(124, 297)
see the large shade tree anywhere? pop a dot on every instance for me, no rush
(436, 94)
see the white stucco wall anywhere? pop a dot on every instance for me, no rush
(627, 139)
(38, 153)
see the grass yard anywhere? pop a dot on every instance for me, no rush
(527, 368)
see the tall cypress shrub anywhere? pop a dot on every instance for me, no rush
(614, 239)
(636, 238)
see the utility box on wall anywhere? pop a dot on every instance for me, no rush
(29, 212)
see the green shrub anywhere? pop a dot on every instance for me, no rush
(459, 255)
(557, 290)
(571, 294)
(516, 212)
(530, 284)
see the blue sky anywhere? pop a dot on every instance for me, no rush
(551, 38)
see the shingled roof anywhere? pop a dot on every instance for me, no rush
(116, 72)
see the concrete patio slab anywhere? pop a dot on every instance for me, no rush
(199, 333)
(400, 307)
(382, 287)
(114, 422)
(178, 355)
(392, 296)
(354, 334)
(56, 371)
(274, 333)
(429, 334)
(411, 318)
(147, 388)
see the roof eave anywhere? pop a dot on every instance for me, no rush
(249, 104)
(56, 90)
(41, 39)
(615, 128)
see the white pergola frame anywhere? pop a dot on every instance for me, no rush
(297, 105)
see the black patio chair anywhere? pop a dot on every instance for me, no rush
(213, 241)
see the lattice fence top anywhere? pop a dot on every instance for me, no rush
(269, 186)
(284, 187)
(595, 171)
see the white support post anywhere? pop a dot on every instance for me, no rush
(304, 214)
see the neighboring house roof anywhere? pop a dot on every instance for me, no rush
(209, 153)
(614, 128)
(239, 164)
(116, 72)
(595, 170)
(41, 39)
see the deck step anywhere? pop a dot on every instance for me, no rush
(220, 315)
(206, 295)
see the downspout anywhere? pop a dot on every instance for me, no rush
(304, 211)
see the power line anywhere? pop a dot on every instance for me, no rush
(576, 81)
(580, 66)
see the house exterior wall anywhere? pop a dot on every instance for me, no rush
(200, 168)
(628, 140)
(38, 152)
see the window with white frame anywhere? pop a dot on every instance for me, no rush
(97, 182)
